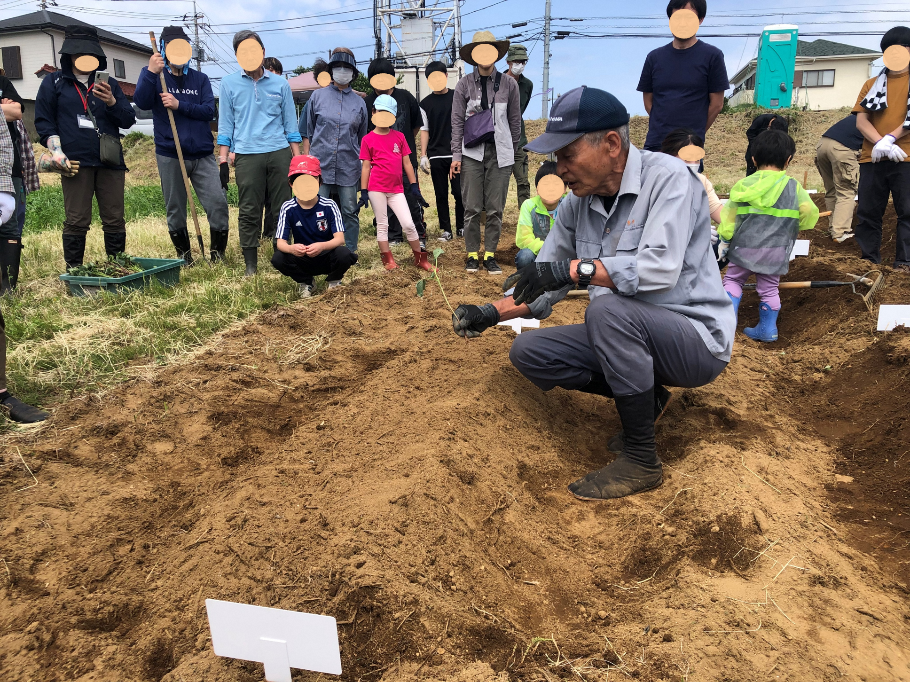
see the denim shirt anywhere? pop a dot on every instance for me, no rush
(655, 243)
(336, 123)
(256, 117)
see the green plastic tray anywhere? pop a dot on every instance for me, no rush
(164, 270)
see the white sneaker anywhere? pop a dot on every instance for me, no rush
(305, 290)
(844, 237)
(333, 283)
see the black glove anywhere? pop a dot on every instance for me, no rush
(364, 199)
(225, 173)
(415, 190)
(472, 320)
(531, 281)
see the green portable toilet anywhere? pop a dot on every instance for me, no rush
(776, 63)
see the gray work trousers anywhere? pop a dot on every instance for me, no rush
(204, 176)
(632, 343)
(484, 187)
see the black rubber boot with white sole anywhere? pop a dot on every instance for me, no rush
(638, 467)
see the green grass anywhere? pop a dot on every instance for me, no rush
(45, 207)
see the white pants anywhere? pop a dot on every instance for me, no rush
(382, 202)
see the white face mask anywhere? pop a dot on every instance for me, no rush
(342, 75)
(694, 166)
(517, 68)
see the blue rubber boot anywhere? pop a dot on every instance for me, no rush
(767, 325)
(735, 304)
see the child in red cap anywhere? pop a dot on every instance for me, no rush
(310, 232)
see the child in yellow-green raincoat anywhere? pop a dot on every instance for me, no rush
(759, 224)
(535, 220)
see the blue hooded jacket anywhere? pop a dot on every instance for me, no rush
(61, 99)
(197, 109)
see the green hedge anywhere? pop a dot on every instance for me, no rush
(45, 207)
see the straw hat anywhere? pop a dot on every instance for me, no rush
(484, 38)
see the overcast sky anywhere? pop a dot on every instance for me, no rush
(613, 64)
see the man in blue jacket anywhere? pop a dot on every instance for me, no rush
(189, 96)
(257, 118)
(71, 109)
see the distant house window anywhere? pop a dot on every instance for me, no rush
(119, 69)
(818, 79)
(750, 82)
(12, 63)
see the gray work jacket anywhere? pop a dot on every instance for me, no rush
(506, 116)
(655, 243)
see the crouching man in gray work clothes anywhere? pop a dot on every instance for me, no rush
(637, 233)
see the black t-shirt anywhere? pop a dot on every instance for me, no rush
(608, 201)
(845, 132)
(680, 82)
(8, 91)
(407, 120)
(484, 103)
(438, 110)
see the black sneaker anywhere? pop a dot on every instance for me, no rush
(423, 244)
(492, 266)
(471, 264)
(459, 232)
(444, 237)
(19, 411)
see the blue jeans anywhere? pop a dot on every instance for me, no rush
(347, 198)
(524, 258)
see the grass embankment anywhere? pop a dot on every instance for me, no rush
(61, 346)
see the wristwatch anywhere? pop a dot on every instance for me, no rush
(585, 272)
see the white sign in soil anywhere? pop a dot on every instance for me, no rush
(520, 322)
(278, 639)
(891, 316)
(800, 248)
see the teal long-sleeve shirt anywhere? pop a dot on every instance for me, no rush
(255, 117)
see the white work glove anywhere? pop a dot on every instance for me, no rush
(7, 207)
(882, 148)
(722, 247)
(897, 154)
(425, 164)
(714, 236)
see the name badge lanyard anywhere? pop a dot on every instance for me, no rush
(86, 107)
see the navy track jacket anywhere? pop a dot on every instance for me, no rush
(60, 103)
(192, 117)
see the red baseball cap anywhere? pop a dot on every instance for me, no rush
(303, 164)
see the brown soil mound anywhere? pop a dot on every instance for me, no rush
(351, 456)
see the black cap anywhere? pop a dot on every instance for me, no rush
(380, 65)
(579, 111)
(432, 67)
(899, 35)
(79, 39)
(169, 33)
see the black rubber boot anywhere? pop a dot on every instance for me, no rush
(73, 250)
(19, 411)
(218, 244)
(638, 468)
(662, 399)
(114, 243)
(250, 258)
(181, 241)
(10, 253)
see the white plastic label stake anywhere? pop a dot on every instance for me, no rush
(891, 316)
(520, 322)
(278, 639)
(800, 248)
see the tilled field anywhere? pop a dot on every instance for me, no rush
(351, 456)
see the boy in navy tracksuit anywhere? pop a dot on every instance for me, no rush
(70, 105)
(189, 96)
(309, 237)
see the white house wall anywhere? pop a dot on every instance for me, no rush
(849, 76)
(35, 51)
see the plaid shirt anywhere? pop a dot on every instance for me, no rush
(29, 167)
(6, 161)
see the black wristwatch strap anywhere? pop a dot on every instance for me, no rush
(584, 280)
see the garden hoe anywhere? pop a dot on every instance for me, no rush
(873, 279)
(186, 179)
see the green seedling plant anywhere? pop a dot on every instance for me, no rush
(421, 285)
(118, 265)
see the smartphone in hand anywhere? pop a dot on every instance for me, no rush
(102, 76)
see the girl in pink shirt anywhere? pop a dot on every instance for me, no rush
(384, 152)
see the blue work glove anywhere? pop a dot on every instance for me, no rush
(532, 281)
(471, 321)
(364, 199)
(415, 190)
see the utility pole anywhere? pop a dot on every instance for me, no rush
(545, 108)
(196, 43)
